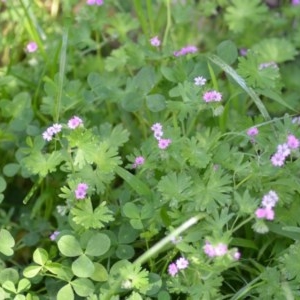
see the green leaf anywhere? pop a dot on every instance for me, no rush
(156, 102)
(69, 246)
(132, 101)
(241, 82)
(116, 60)
(83, 267)
(23, 285)
(131, 210)
(9, 274)
(7, 242)
(9, 286)
(145, 80)
(227, 51)
(61, 271)
(100, 273)
(11, 170)
(42, 164)
(32, 271)
(40, 256)
(65, 292)
(125, 252)
(98, 245)
(275, 50)
(83, 287)
(127, 234)
(136, 184)
(84, 215)
(2, 184)
(242, 13)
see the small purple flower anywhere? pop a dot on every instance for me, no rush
(51, 131)
(292, 141)
(31, 47)
(243, 51)
(221, 249)
(164, 143)
(253, 131)
(283, 150)
(156, 127)
(139, 160)
(295, 2)
(269, 200)
(236, 255)
(74, 122)
(172, 269)
(81, 190)
(182, 263)
(155, 41)
(94, 2)
(212, 96)
(260, 213)
(268, 65)
(209, 249)
(186, 50)
(54, 235)
(278, 159)
(199, 81)
(158, 134)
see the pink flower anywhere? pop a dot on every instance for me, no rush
(74, 122)
(164, 143)
(199, 81)
(292, 141)
(212, 96)
(186, 50)
(54, 235)
(268, 65)
(283, 150)
(295, 2)
(260, 213)
(278, 159)
(51, 131)
(182, 263)
(221, 249)
(243, 51)
(253, 131)
(81, 191)
(158, 134)
(31, 47)
(156, 127)
(138, 161)
(209, 249)
(155, 41)
(236, 255)
(270, 214)
(269, 200)
(172, 269)
(94, 2)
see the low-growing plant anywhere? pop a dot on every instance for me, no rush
(150, 150)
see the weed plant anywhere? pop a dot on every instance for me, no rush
(149, 149)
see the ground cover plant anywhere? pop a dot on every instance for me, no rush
(149, 149)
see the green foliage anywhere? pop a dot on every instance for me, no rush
(109, 212)
(241, 13)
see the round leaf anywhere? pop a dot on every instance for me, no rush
(40, 256)
(9, 274)
(125, 252)
(131, 211)
(23, 285)
(83, 267)
(31, 271)
(10, 170)
(6, 242)
(156, 102)
(227, 51)
(127, 234)
(65, 292)
(69, 246)
(155, 283)
(132, 101)
(98, 244)
(100, 273)
(83, 287)
(2, 184)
